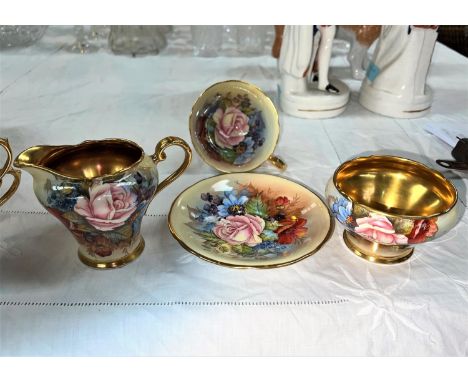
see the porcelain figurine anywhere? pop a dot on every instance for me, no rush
(100, 191)
(278, 41)
(395, 83)
(360, 37)
(305, 89)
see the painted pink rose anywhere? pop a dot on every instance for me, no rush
(240, 229)
(108, 207)
(380, 229)
(231, 127)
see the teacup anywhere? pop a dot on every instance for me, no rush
(100, 190)
(234, 127)
(388, 204)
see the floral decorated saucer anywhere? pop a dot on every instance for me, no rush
(247, 220)
(234, 127)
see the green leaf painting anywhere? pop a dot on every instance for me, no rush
(256, 206)
(268, 235)
(243, 249)
(74, 218)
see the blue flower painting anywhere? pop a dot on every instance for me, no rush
(342, 209)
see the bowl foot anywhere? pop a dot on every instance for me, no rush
(116, 263)
(376, 253)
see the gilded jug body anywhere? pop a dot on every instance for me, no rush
(100, 190)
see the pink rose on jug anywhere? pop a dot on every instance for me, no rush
(379, 228)
(231, 127)
(108, 207)
(240, 229)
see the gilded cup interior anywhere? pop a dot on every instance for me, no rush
(395, 186)
(92, 158)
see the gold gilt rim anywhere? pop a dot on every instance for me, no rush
(401, 159)
(20, 164)
(254, 89)
(237, 266)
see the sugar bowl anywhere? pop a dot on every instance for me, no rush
(388, 204)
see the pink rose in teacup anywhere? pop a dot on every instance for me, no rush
(108, 207)
(379, 228)
(240, 229)
(231, 127)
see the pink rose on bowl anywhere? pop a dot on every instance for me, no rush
(240, 229)
(380, 229)
(231, 127)
(108, 207)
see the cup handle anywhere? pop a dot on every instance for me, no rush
(277, 162)
(8, 170)
(159, 155)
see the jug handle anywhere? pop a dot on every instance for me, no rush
(7, 169)
(159, 155)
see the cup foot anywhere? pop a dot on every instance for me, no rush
(116, 263)
(376, 253)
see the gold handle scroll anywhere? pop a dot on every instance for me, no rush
(159, 155)
(8, 170)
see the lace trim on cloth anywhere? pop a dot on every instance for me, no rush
(16, 212)
(176, 303)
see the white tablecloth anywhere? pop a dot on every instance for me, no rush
(170, 302)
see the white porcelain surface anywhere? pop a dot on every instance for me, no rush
(315, 104)
(395, 84)
(303, 88)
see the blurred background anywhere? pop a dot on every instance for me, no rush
(202, 41)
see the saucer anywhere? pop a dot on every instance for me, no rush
(234, 126)
(248, 220)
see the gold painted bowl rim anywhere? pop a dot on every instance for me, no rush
(399, 159)
(189, 248)
(271, 108)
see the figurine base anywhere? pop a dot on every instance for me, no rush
(376, 253)
(314, 103)
(391, 105)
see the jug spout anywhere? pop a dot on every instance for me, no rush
(35, 157)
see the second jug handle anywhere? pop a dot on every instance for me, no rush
(7, 169)
(159, 155)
